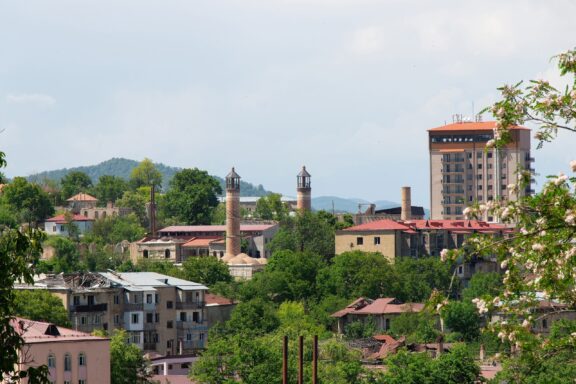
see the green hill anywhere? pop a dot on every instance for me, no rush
(123, 167)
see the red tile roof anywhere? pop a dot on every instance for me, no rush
(212, 299)
(472, 126)
(82, 197)
(200, 241)
(379, 306)
(380, 225)
(215, 228)
(411, 225)
(61, 219)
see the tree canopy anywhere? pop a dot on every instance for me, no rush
(74, 183)
(40, 305)
(145, 175)
(27, 202)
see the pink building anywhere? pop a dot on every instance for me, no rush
(71, 356)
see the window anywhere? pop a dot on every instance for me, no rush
(169, 304)
(149, 298)
(377, 240)
(149, 317)
(460, 269)
(81, 359)
(157, 317)
(544, 323)
(201, 336)
(135, 318)
(90, 299)
(156, 298)
(116, 299)
(489, 155)
(359, 241)
(169, 344)
(136, 338)
(80, 381)
(169, 324)
(167, 254)
(188, 337)
(195, 317)
(145, 254)
(479, 177)
(478, 155)
(67, 362)
(83, 320)
(51, 361)
(387, 326)
(76, 300)
(480, 187)
(182, 316)
(116, 319)
(54, 228)
(479, 166)
(96, 319)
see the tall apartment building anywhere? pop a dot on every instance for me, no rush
(463, 171)
(160, 313)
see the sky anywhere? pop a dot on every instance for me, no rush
(346, 87)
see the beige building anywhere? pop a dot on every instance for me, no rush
(86, 205)
(71, 356)
(161, 314)
(464, 171)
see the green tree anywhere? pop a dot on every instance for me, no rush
(307, 231)
(109, 188)
(19, 251)
(416, 278)
(417, 327)
(271, 207)
(145, 175)
(482, 284)
(462, 317)
(66, 256)
(192, 197)
(28, 202)
(255, 317)
(114, 229)
(219, 214)
(40, 305)
(206, 270)
(136, 201)
(127, 365)
(74, 183)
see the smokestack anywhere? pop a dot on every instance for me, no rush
(152, 212)
(406, 210)
(232, 213)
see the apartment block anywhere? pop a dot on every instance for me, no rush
(161, 313)
(464, 171)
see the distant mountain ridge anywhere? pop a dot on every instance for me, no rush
(121, 167)
(350, 205)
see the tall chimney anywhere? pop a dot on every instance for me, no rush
(406, 213)
(304, 191)
(233, 213)
(152, 212)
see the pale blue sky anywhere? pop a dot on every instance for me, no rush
(347, 87)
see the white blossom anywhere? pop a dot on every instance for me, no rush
(444, 255)
(561, 179)
(537, 247)
(490, 143)
(504, 264)
(573, 162)
(526, 323)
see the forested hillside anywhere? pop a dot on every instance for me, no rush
(123, 167)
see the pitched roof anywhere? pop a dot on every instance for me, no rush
(472, 126)
(379, 225)
(201, 241)
(82, 197)
(216, 228)
(61, 219)
(41, 332)
(304, 173)
(379, 306)
(213, 300)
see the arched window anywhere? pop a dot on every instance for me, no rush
(51, 361)
(145, 254)
(67, 362)
(81, 359)
(167, 253)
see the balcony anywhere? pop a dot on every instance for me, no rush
(89, 308)
(190, 304)
(191, 325)
(149, 346)
(455, 170)
(129, 307)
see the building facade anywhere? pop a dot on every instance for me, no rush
(463, 170)
(160, 313)
(71, 356)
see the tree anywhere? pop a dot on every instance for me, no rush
(482, 284)
(18, 251)
(66, 256)
(307, 231)
(127, 365)
(145, 175)
(40, 305)
(109, 188)
(462, 317)
(540, 258)
(136, 201)
(28, 202)
(206, 270)
(74, 183)
(255, 317)
(271, 207)
(192, 197)
(114, 229)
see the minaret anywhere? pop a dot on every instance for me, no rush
(233, 213)
(303, 199)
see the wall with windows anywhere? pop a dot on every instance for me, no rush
(385, 242)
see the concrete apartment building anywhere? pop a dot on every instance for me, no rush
(161, 314)
(463, 171)
(71, 356)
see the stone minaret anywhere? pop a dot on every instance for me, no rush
(303, 200)
(233, 213)
(406, 207)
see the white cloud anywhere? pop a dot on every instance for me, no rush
(38, 99)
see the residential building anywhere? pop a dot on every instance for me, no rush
(59, 225)
(463, 170)
(179, 242)
(381, 312)
(86, 205)
(71, 356)
(160, 313)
